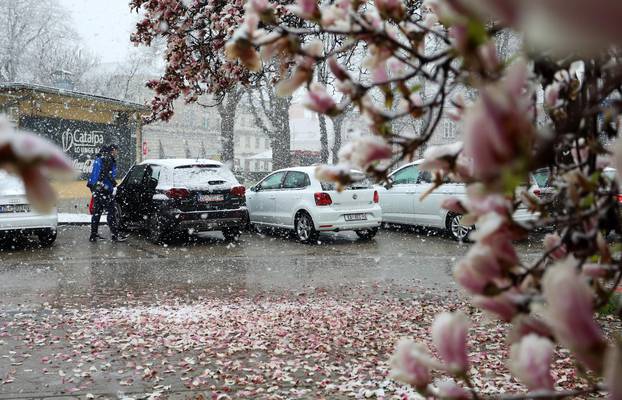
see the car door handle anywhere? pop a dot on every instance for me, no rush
(272, 197)
(413, 192)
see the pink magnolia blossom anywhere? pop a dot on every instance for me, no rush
(240, 46)
(613, 371)
(487, 54)
(336, 15)
(504, 306)
(497, 128)
(307, 9)
(593, 270)
(34, 159)
(302, 74)
(530, 361)
(320, 101)
(569, 311)
(478, 269)
(554, 241)
(441, 157)
(337, 70)
(454, 205)
(411, 363)
(393, 9)
(364, 151)
(331, 173)
(448, 389)
(551, 94)
(449, 335)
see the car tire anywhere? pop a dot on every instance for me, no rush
(121, 224)
(47, 237)
(231, 234)
(304, 228)
(157, 232)
(367, 234)
(456, 230)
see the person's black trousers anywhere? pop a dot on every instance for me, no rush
(103, 201)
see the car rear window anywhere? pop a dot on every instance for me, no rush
(360, 182)
(11, 184)
(541, 177)
(200, 175)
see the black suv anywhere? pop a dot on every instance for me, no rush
(176, 197)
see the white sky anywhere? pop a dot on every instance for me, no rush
(104, 26)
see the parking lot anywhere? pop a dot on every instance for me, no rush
(277, 318)
(258, 262)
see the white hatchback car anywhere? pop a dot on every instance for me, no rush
(293, 198)
(18, 218)
(402, 204)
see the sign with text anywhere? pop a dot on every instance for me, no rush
(82, 140)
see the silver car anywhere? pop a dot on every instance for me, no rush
(17, 218)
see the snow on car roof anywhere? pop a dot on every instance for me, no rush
(179, 162)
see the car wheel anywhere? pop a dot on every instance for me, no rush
(367, 234)
(157, 232)
(455, 228)
(47, 237)
(305, 229)
(231, 234)
(121, 222)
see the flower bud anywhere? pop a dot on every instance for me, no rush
(530, 361)
(411, 363)
(569, 311)
(449, 335)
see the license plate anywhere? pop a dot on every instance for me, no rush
(210, 198)
(355, 217)
(14, 208)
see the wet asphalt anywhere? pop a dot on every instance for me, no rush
(75, 270)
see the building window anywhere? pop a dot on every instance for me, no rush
(257, 142)
(248, 142)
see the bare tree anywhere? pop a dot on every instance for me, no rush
(271, 114)
(24, 22)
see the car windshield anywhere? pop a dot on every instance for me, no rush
(360, 182)
(10, 184)
(201, 175)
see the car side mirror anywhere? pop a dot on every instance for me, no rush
(254, 188)
(388, 184)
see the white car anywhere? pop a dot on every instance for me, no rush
(293, 198)
(18, 218)
(402, 204)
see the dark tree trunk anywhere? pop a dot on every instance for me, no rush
(337, 125)
(323, 139)
(227, 109)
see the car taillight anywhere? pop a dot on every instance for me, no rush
(177, 193)
(376, 197)
(537, 192)
(239, 191)
(322, 199)
(619, 197)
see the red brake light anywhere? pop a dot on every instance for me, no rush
(619, 197)
(537, 192)
(322, 199)
(239, 191)
(177, 193)
(376, 197)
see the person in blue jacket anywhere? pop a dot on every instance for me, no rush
(102, 183)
